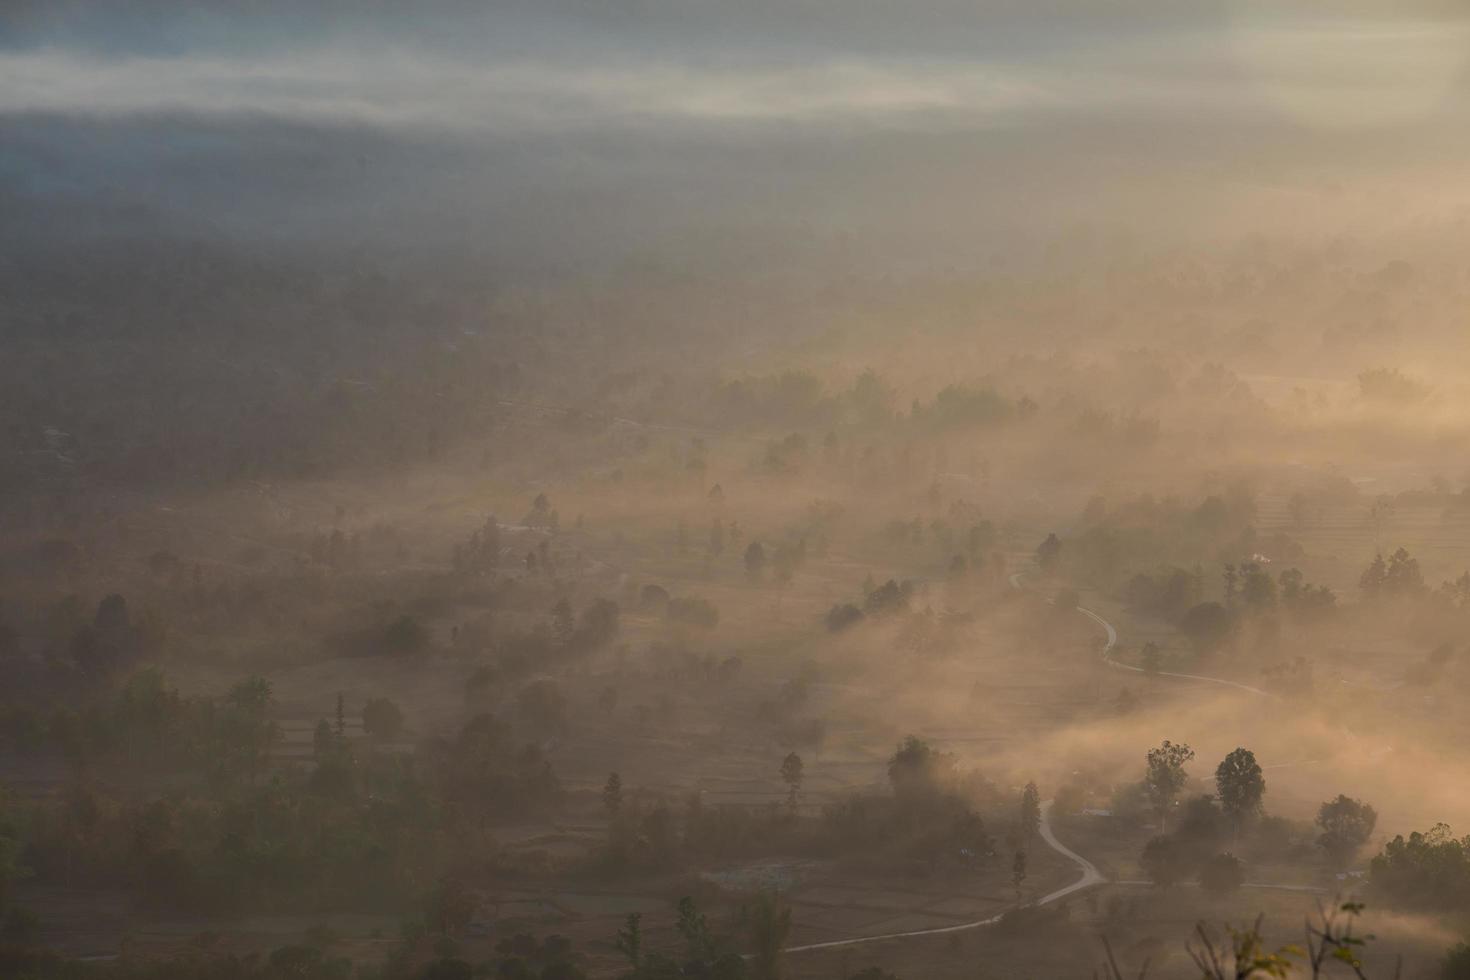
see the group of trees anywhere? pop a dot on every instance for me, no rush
(1397, 578)
(890, 598)
(929, 815)
(1205, 822)
(961, 539)
(1194, 847)
(709, 954)
(1427, 870)
(145, 724)
(800, 397)
(480, 554)
(783, 561)
(241, 828)
(1145, 532)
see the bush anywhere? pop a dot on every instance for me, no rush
(1166, 861)
(843, 615)
(405, 635)
(1222, 874)
(382, 719)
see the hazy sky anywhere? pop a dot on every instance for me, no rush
(565, 63)
(828, 113)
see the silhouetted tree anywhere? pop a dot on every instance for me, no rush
(1346, 826)
(755, 561)
(1165, 860)
(1048, 553)
(612, 794)
(1030, 812)
(1165, 776)
(791, 775)
(841, 616)
(1221, 874)
(1240, 785)
(630, 941)
(1207, 625)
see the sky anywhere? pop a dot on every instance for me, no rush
(633, 116)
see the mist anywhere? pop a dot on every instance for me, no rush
(646, 489)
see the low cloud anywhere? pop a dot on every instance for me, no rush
(1317, 73)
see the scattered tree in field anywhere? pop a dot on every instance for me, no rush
(630, 941)
(1391, 386)
(246, 731)
(1257, 588)
(1030, 813)
(381, 719)
(405, 635)
(890, 597)
(1018, 872)
(791, 775)
(112, 614)
(596, 627)
(1207, 625)
(541, 513)
(1166, 860)
(1222, 874)
(323, 741)
(111, 643)
(1304, 599)
(1399, 577)
(1165, 776)
(755, 561)
(919, 770)
(1240, 786)
(1049, 552)
(841, 616)
(1346, 826)
(612, 795)
(693, 926)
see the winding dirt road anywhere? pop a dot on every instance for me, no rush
(1090, 875)
(1112, 641)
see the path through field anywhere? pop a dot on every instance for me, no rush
(1090, 875)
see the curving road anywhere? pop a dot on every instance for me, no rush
(1090, 875)
(1112, 641)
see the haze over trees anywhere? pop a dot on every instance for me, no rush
(554, 490)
